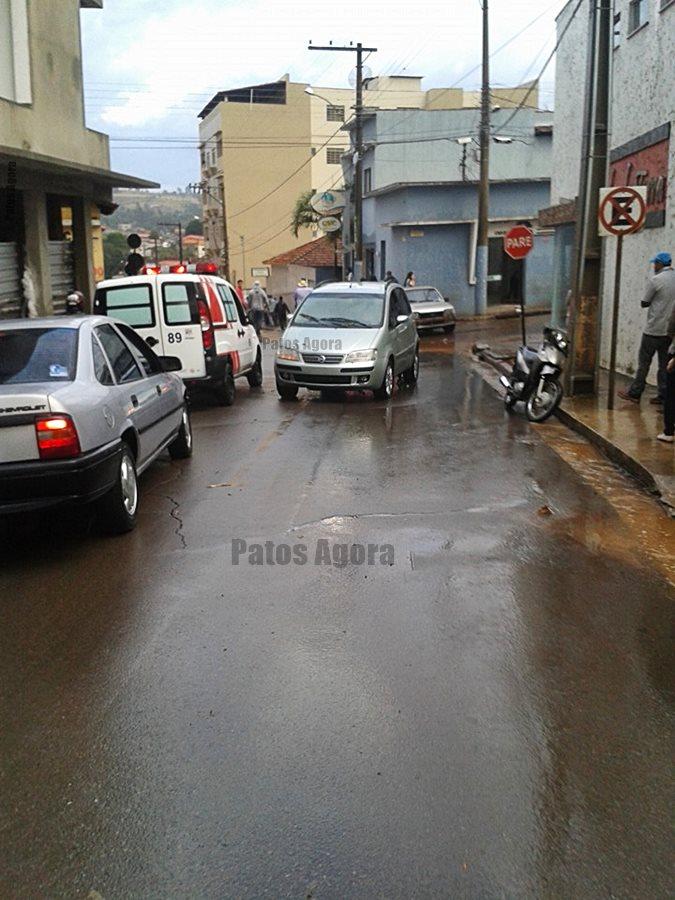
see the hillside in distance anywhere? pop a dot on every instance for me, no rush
(148, 209)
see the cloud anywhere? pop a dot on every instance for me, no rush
(178, 57)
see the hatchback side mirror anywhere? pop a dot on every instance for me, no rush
(171, 363)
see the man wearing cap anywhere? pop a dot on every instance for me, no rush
(301, 292)
(660, 301)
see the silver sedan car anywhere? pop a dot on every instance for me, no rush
(85, 407)
(431, 309)
(349, 336)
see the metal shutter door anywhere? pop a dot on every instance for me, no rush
(11, 292)
(62, 273)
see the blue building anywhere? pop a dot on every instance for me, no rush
(420, 183)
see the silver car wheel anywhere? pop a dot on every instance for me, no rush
(389, 380)
(128, 485)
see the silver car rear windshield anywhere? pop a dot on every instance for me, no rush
(347, 310)
(32, 355)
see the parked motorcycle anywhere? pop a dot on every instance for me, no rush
(535, 379)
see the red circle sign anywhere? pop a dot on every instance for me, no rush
(622, 211)
(519, 241)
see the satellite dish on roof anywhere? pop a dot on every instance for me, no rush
(367, 73)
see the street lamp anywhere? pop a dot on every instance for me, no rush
(312, 93)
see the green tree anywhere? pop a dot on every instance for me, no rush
(115, 250)
(194, 226)
(305, 216)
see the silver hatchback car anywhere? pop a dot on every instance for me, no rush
(85, 406)
(349, 336)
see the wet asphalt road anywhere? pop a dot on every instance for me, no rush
(488, 716)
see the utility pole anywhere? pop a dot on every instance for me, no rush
(179, 226)
(203, 188)
(359, 49)
(484, 186)
(243, 258)
(585, 314)
(226, 246)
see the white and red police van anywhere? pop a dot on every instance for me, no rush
(196, 317)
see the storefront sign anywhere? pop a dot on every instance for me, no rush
(328, 202)
(644, 162)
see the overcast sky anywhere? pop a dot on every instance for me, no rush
(150, 67)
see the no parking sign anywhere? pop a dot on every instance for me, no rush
(622, 210)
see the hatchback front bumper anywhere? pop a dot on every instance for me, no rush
(319, 377)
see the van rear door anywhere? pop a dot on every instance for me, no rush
(133, 302)
(180, 324)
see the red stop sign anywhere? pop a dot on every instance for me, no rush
(519, 241)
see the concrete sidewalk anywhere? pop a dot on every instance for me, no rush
(626, 434)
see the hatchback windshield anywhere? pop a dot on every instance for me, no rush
(424, 295)
(348, 310)
(30, 355)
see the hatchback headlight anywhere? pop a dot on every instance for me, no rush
(288, 353)
(361, 356)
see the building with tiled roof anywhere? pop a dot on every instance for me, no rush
(315, 261)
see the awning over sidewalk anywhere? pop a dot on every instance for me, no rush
(99, 182)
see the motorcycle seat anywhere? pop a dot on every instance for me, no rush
(530, 355)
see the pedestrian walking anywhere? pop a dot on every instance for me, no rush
(301, 292)
(258, 305)
(660, 301)
(239, 289)
(389, 278)
(668, 433)
(281, 312)
(410, 280)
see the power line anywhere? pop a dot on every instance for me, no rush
(286, 180)
(548, 60)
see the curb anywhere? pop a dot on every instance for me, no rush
(611, 451)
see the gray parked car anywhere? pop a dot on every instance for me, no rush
(431, 309)
(349, 336)
(85, 407)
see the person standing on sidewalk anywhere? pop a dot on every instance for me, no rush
(668, 433)
(660, 300)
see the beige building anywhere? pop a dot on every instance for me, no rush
(55, 177)
(264, 145)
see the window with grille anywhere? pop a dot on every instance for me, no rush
(367, 180)
(637, 14)
(333, 155)
(335, 113)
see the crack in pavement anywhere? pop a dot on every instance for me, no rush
(177, 518)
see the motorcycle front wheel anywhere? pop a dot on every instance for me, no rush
(542, 404)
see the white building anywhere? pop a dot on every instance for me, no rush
(641, 151)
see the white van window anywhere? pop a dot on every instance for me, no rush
(131, 303)
(177, 306)
(228, 302)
